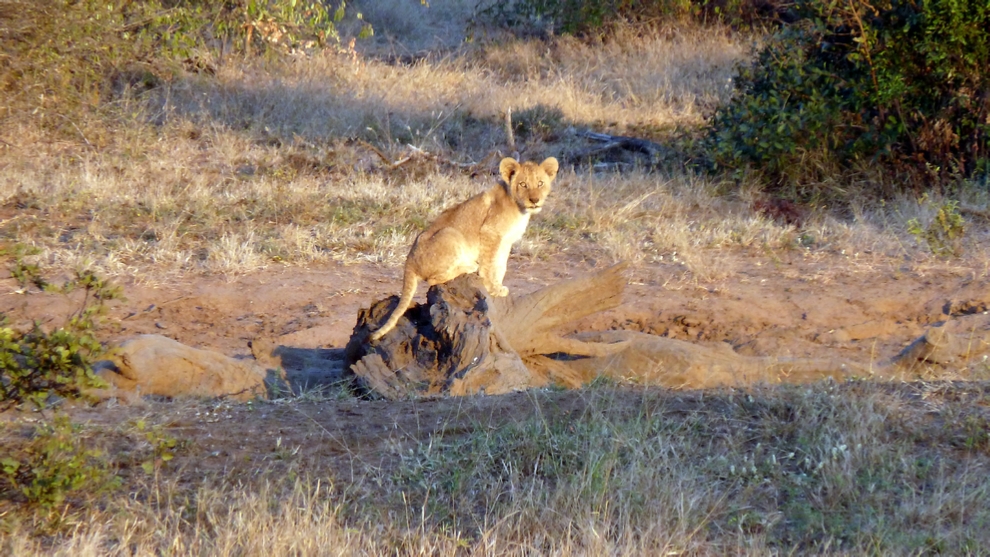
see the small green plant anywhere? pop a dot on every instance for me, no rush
(24, 272)
(976, 434)
(945, 231)
(56, 464)
(163, 446)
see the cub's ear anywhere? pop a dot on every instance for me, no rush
(508, 168)
(550, 166)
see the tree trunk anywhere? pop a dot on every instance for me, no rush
(464, 342)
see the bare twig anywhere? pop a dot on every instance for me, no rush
(417, 153)
(378, 152)
(79, 131)
(510, 138)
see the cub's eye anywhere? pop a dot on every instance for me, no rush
(523, 185)
(540, 185)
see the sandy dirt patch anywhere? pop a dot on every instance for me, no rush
(795, 304)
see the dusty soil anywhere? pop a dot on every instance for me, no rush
(792, 304)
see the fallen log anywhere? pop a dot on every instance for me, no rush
(654, 152)
(464, 342)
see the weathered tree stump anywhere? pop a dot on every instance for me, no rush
(462, 341)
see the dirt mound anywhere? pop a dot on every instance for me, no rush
(815, 305)
(156, 365)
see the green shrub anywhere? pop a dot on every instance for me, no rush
(61, 59)
(39, 364)
(54, 465)
(901, 85)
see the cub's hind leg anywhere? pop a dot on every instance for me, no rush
(443, 257)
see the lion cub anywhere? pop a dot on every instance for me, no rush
(477, 234)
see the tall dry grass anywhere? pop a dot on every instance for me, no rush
(255, 166)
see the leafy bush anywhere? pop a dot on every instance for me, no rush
(38, 364)
(55, 464)
(899, 84)
(61, 59)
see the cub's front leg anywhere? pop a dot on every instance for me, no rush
(492, 270)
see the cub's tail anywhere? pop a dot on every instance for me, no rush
(409, 283)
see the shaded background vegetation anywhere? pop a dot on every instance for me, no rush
(897, 90)
(894, 91)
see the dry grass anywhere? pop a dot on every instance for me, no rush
(252, 167)
(851, 469)
(225, 204)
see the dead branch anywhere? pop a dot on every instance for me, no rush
(654, 151)
(415, 153)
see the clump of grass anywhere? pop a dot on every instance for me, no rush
(806, 468)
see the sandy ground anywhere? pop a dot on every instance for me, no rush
(795, 303)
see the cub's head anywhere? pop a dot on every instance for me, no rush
(528, 182)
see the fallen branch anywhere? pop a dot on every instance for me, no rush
(654, 151)
(419, 154)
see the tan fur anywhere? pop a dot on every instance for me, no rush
(477, 234)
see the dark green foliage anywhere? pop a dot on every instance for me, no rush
(900, 85)
(60, 59)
